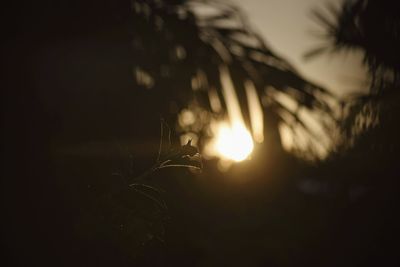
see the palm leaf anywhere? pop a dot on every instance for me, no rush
(208, 45)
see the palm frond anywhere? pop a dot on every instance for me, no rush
(184, 59)
(370, 26)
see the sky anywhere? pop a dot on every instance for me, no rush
(286, 26)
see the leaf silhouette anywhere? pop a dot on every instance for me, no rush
(221, 37)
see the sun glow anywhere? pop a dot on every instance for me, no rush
(231, 139)
(234, 143)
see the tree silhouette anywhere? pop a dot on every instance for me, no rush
(368, 160)
(373, 28)
(70, 96)
(369, 26)
(179, 49)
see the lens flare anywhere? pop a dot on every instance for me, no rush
(234, 143)
(231, 140)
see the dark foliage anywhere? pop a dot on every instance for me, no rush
(371, 26)
(179, 49)
(73, 114)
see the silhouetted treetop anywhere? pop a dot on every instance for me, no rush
(180, 48)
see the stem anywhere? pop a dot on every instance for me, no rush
(179, 165)
(148, 172)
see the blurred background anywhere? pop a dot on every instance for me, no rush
(290, 29)
(292, 107)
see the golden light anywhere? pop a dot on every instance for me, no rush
(233, 143)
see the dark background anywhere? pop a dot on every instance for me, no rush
(72, 116)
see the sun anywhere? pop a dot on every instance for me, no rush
(234, 142)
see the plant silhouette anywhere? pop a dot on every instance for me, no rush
(370, 27)
(180, 46)
(84, 76)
